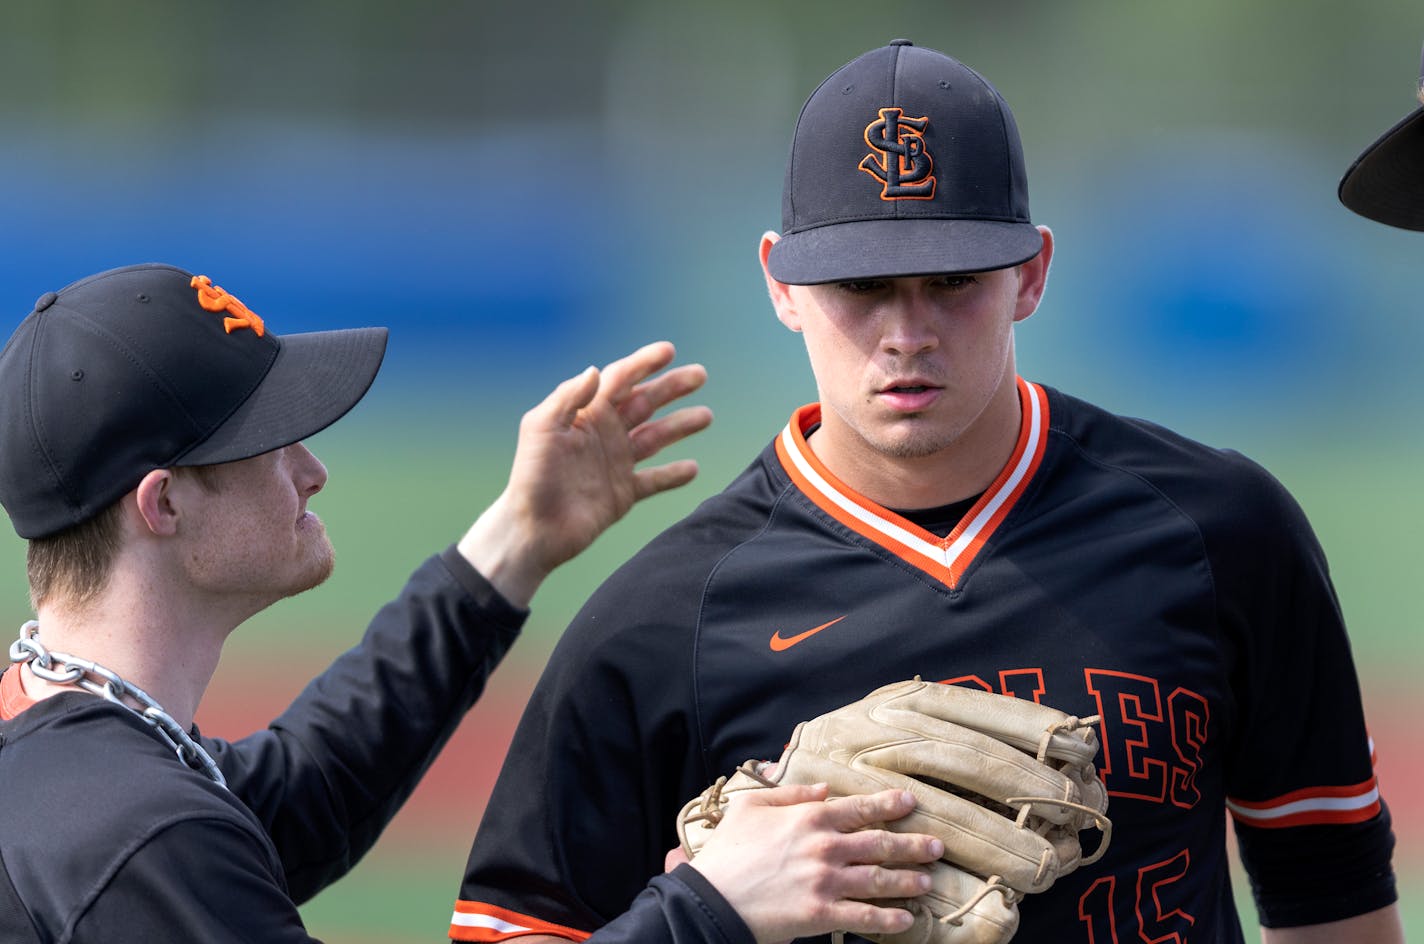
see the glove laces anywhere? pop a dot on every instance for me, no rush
(713, 807)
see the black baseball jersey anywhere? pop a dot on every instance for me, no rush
(1113, 568)
(105, 835)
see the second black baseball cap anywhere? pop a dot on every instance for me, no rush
(1386, 182)
(904, 162)
(149, 367)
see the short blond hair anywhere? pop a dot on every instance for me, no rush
(74, 565)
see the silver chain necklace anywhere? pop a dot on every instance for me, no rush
(64, 669)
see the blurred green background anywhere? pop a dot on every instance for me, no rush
(521, 190)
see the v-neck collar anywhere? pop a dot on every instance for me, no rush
(945, 559)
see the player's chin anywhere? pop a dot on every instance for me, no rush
(318, 566)
(910, 441)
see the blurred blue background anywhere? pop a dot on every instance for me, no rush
(519, 191)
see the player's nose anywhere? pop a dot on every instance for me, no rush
(908, 325)
(307, 470)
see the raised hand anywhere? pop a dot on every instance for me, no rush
(575, 466)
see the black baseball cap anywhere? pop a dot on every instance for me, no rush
(904, 162)
(1386, 182)
(148, 367)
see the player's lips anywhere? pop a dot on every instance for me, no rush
(910, 394)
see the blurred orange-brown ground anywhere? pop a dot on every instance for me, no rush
(455, 789)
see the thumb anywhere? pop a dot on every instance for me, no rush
(675, 857)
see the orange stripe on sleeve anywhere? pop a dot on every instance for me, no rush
(1355, 803)
(477, 921)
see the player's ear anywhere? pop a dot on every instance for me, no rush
(154, 500)
(780, 292)
(1033, 277)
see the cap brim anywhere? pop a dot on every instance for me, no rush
(891, 248)
(1386, 182)
(315, 380)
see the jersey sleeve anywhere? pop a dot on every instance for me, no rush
(175, 888)
(681, 907)
(575, 825)
(1314, 834)
(327, 775)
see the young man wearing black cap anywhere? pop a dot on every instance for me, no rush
(150, 450)
(936, 515)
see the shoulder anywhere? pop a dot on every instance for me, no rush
(1134, 443)
(102, 792)
(202, 876)
(99, 763)
(1207, 483)
(646, 611)
(740, 510)
(677, 562)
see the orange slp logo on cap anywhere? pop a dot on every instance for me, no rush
(215, 298)
(903, 166)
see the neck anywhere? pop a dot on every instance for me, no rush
(163, 650)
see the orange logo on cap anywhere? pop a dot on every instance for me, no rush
(215, 298)
(903, 166)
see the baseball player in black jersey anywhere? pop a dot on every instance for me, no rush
(935, 514)
(150, 450)
(1386, 182)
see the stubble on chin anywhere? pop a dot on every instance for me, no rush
(912, 443)
(323, 565)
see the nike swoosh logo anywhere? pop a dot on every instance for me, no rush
(780, 643)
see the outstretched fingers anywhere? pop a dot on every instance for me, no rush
(662, 478)
(622, 390)
(561, 407)
(574, 470)
(621, 376)
(645, 399)
(624, 386)
(651, 438)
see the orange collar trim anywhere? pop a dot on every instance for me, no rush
(945, 558)
(13, 698)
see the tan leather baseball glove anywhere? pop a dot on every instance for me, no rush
(1007, 784)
